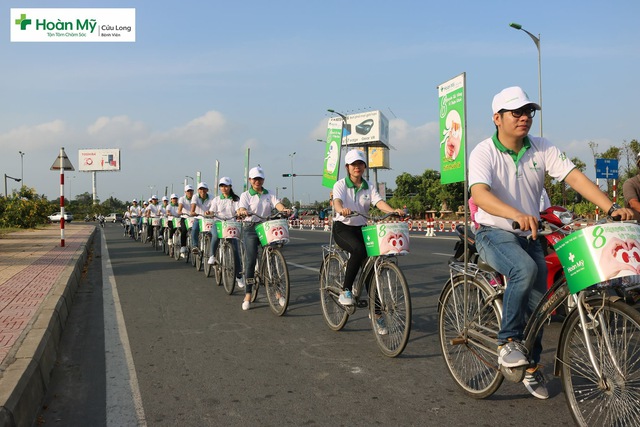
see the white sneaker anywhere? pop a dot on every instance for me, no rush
(212, 260)
(282, 301)
(246, 305)
(240, 282)
(183, 250)
(170, 243)
(346, 298)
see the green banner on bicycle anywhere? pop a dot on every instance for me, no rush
(332, 153)
(600, 253)
(452, 130)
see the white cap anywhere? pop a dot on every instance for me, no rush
(512, 98)
(354, 156)
(134, 201)
(174, 196)
(165, 199)
(145, 203)
(153, 197)
(256, 172)
(225, 180)
(188, 188)
(203, 185)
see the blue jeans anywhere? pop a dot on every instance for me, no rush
(195, 233)
(215, 240)
(521, 260)
(251, 244)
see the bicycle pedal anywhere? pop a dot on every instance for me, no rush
(362, 303)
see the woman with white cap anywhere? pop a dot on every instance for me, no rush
(172, 211)
(225, 205)
(200, 205)
(135, 213)
(260, 201)
(184, 208)
(354, 194)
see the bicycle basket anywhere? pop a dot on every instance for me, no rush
(386, 239)
(273, 232)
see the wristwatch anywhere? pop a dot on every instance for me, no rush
(614, 207)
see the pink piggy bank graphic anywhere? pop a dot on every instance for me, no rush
(277, 232)
(620, 256)
(231, 232)
(394, 242)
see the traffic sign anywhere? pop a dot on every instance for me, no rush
(607, 168)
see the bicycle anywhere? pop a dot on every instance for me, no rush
(136, 228)
(598, 353)
(166, 243)
(271, 267)
(153, 226)
(177, 240)
(207, 226)
(225, 267)
(389, 299)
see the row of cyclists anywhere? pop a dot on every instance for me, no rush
(249, 207)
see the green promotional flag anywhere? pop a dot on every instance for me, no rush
(452, 130)
(599, 253)
(332, 153)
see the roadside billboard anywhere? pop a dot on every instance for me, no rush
(103, 160)
(371, 128)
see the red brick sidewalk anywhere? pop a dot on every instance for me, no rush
(37, 282)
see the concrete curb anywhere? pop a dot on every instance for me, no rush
(24, 383)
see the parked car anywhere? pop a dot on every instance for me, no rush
(68, 217)
(113, 217)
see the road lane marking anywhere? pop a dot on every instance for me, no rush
(316, 270)
(124, 404)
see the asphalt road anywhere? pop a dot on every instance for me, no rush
(169, 347)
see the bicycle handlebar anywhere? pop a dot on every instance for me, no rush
(375, 218)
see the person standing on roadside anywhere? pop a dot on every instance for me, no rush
(506, 179)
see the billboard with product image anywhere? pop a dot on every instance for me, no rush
(104, 160)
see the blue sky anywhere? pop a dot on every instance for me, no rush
(206, 80)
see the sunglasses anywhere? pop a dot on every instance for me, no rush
(527, 111)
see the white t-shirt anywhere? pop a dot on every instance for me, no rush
(186, 205)
(517, 184)
(224, 207)
(135, 210)
(172, 210)
(154, 210)
(358, 201)
(202, 205)
(260, 204)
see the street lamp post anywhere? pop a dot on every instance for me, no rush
(21, 166)
(536, 40)
(293, 199)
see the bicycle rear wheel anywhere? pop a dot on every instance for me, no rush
(614, 332)
(227, 266)
(472, 362)
(331, 280)
(189, 256)
(391, 302)
(276, 281)
(208, 268)
(217, 268)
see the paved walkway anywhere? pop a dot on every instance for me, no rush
(38, 279)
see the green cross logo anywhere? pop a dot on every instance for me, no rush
(23, 22)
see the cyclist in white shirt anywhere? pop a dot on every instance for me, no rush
(184, 208)
(200, 205)
(260, 201)
(225, 206)
(135, 213)
(163, 206)
(172, 211)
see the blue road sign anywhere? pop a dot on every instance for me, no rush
(607, 168)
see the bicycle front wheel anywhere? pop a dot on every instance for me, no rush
(331, 282)
(390, 309)
(613, 329)
(276, 281)
(156, 241)
(227, 267)
(208, 268)
(176, 245)
(469, 350)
